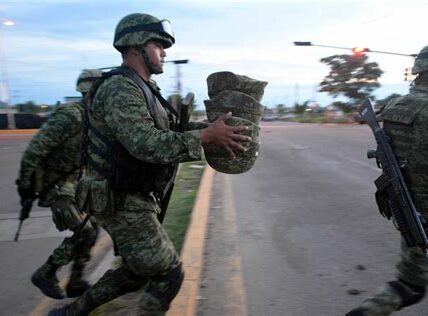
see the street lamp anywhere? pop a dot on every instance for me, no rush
(355, 50)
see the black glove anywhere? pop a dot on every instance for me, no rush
(25, 193)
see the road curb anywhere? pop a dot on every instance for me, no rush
(18, 131)
(192, 255)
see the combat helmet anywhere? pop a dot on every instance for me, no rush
(136, 29)
(421, 62)
(86, 78)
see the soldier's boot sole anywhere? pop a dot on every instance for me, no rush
(48, 287)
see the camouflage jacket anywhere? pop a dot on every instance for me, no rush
(119, 111)
(54, 152)
(405, 122)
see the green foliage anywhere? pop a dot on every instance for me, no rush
(182, 200)
(29, 107)
(343, 106)
(300, 108)
(351, 76)
(32, 107)
(280, 108)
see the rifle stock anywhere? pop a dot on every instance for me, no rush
(406, 217)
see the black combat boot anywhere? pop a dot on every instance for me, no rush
(45, 279)
(76, 286)
(356, 312)
(395, 296)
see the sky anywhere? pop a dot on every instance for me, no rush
(52, 41)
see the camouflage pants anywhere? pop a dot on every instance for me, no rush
(148, 258)
(412, 269)
(66, 216)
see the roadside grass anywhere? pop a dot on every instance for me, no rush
(319, 119)
(182, 200)
(176, 222)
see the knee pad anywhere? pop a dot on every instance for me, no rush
(409, 293)
(175, 279)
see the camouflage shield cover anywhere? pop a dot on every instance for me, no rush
(240, 95)
(218, 158)
(226, 80)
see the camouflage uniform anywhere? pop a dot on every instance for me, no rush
(50, 166)
(405, 122)
(125, 121)
(120, 112)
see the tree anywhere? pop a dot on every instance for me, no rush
(280, 109)
(300, 108)
(350, 76)
(28, 106)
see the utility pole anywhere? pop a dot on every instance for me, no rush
(177, 91)
(5, 93)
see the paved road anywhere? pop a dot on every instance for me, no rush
(293, 236)
(300, 231)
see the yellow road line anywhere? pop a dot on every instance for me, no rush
(185, 304)
(236, 304)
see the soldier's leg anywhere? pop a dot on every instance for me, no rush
(111, 285)
(124, 231)
(45, 277)
(65, 216)
(408, 289)
(149, 260)
(147, 251)
(84, 240)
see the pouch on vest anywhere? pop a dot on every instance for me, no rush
(101, 198)
(403, 113)
(382, 197)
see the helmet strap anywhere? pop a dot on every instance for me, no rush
(150, 66)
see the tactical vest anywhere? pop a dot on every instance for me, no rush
(126, 173)
(405, 122)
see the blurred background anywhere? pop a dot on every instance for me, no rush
(45, 44)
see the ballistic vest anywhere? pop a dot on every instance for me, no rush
(127, 173)
(405, 122)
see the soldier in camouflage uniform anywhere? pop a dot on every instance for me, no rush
(49, 169)
(405, 122)
(133, 149)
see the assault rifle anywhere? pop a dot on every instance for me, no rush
(392, 196)
(185, 111)
(27, 204)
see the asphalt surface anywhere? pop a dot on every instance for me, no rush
(301, 228)
(299, 234)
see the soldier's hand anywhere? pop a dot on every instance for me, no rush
(25, 193)
(228, 137)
